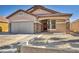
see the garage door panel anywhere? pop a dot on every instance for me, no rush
(14, 28)
(22, 27)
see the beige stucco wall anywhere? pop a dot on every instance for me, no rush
(22, 16)
(74, 26)
(61, 27)
(41, 11)
(4, 26)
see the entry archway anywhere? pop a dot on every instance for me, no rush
(0, 29)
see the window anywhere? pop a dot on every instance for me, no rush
(53, 24)
(48, 24)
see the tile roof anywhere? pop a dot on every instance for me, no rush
(41, 7)
(17, 12)
(54, 13)
(29, 11)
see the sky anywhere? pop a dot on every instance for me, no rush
(6, 10)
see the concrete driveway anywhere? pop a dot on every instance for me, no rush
(10, 39)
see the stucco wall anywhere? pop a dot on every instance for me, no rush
(4, 26)
(40, 11)
(61, 25)
(74, 26)
(21, 16)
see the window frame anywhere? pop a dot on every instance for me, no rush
(50, 24)
(53, 24)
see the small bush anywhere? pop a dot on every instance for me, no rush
(38, 41)
(55, 38)
(5, 47)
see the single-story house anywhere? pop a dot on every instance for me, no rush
(39, 19)
(3, 24)
(75, 26)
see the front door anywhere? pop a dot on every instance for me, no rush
(45, 26)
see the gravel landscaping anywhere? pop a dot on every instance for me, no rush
(54, 42)
(9, 43)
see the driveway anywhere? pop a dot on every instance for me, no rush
(10, 39)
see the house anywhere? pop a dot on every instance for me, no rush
(75, 26)
(3, 24)
(39, 19)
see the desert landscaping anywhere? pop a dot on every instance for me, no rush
(42, 40)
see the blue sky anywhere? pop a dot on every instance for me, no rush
(6, 10)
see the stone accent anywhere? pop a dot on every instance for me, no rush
(37, 27)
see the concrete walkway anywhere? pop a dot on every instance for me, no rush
(58, 35)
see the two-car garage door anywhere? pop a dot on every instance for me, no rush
(22, 27)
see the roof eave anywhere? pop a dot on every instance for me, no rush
(19, 11)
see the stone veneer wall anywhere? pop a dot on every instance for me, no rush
(37, 28)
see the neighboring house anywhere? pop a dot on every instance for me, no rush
(39, 19)
(75, 26)
(3, 24)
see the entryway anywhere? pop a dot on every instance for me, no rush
(48, 24)
(44, 25)
(0, 29)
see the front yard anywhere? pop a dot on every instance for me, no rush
(55, 40)
(9, 39)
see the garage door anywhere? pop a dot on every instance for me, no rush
(22, 27)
